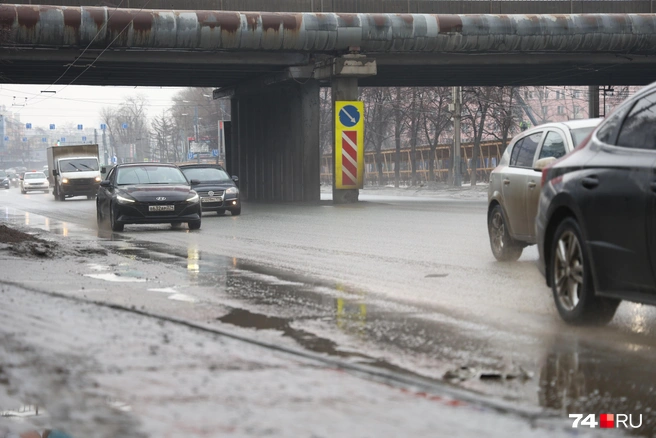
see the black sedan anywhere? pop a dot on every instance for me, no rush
(596, 222)
(147, 193)
(217, 190)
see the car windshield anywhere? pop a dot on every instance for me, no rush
(579, 134)
(35, 175)
(150, 175)
(206, 174)
(78, 165)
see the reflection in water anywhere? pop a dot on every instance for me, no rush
(193, 260)
(638, 320)
(583, 379)
(47, 224)
(27, 218)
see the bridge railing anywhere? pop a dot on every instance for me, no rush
(490, 155)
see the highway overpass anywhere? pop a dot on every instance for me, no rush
(272, 64)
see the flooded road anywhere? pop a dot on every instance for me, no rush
(407, 285)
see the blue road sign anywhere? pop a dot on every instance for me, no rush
(52, 126)
(6, 138)
(63, 139)
(28, 126)
(80, 127)
(44, 140)
(124, 126)
(215, 152)
(103, 126)
(349, 116)
(190, 155)
(114, 159)
(84, 138)
(24, 138)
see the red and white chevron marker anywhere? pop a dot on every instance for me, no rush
(350, 158)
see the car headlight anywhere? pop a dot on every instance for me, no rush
(64, 180)
(232, 191)
(194, 198)
(124, 200)
(98, 179)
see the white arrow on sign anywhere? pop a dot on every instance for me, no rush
(348, 115)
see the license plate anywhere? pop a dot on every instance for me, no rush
(212, 199)
(161, 208)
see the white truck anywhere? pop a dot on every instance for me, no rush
(74, 170)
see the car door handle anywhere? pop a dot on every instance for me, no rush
(531, 185)
(590, 182)
(506, 181)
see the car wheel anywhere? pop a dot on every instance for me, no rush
(571, 279)
(504, 248)
(194, 225)
(114, 224)
(236, 211)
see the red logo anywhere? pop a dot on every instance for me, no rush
(607, 421)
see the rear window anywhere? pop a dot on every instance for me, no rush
(580, 134)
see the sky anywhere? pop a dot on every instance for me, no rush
(76, 104)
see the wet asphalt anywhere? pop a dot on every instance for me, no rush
(408, 285)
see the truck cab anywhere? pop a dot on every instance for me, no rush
(74, 171)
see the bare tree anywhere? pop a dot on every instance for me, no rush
(377, 114)
(436, 118)
(477, 103)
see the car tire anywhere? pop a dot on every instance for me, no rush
(571, 279)
(504, 248)
(194, 225)
(113, 223)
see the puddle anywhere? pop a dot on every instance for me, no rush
(183, 297)
(110, 276)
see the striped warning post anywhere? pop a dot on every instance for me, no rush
(350, 158)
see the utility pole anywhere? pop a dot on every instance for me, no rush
(197, 132)
(457, 115)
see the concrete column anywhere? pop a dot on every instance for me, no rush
(593, 101)
(276, 142)
(343, 88)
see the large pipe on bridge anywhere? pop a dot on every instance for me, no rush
(100, 27)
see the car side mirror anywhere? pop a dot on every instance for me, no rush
(194, 182)
(234, 178)
(105, 183)
(542, 163)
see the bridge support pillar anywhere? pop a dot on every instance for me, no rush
(343, 74)
(275, 142)
(343, 89)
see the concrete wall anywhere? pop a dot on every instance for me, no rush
(275, 143)
(379, 6)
